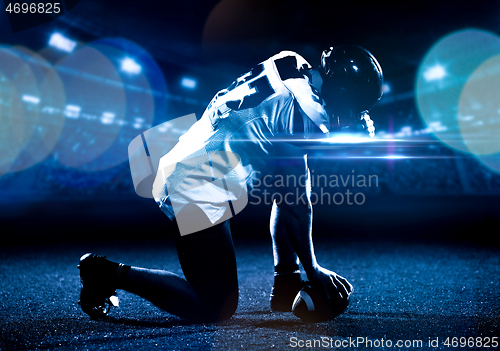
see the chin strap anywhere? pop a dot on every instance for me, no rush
(367, 123)
(355, 122)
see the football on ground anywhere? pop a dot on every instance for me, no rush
(312, 305)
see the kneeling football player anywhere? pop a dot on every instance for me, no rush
(256, 125)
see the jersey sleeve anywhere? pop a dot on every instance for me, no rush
(293, 70)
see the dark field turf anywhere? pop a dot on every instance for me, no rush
(406, 288)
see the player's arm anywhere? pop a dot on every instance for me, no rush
(298, 221)
(299, 229)
(313, 123)
(296, 206)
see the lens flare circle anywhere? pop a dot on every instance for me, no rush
(144, 92)
(106, 106)
(93, 86)
(438, 94)
(479, 113)
(479, 109)
(46, 124)
(17, 116)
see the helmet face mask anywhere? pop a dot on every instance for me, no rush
(352, 81)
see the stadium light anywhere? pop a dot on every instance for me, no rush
(138, 122)
(189, 83)
(435, 73)
(107, 117)
(72, 111)
(31, 99)
(59, 41)
(130, 66)
(437, 126)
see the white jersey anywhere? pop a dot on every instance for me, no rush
(235, 136)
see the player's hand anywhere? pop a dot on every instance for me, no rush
(334, 286)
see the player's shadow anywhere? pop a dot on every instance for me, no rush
(390, 324)
(167, 323)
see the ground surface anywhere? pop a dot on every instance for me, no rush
(404, 290)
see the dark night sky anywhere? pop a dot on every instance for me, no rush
(238, 33)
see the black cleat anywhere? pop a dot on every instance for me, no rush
(97, 285)
(284, 290)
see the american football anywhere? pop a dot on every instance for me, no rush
(312, 305)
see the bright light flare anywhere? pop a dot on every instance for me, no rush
(346, 139)
(395, 157)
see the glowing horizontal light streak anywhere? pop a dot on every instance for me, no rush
(355, 139)
(346, 139)
(335, 141)
(394, 157)
(386, 157)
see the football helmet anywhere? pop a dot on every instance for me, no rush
(352, 79)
